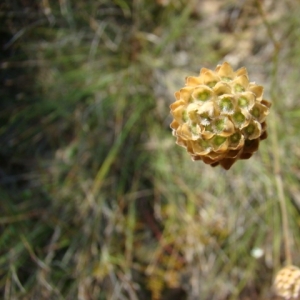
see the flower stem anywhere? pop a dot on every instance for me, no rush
(274, 137)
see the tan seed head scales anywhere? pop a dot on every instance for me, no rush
(220, 116)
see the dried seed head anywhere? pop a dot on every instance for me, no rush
(287, 283)
(219, 116)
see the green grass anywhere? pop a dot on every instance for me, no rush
(97, 201)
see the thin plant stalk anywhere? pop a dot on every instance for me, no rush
(274, 139)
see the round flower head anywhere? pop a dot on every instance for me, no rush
(219, 116)
(287, 283)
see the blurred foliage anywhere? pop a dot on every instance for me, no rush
(97, 201)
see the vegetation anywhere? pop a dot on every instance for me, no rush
(97, 201)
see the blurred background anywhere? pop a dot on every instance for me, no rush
(97, 201)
